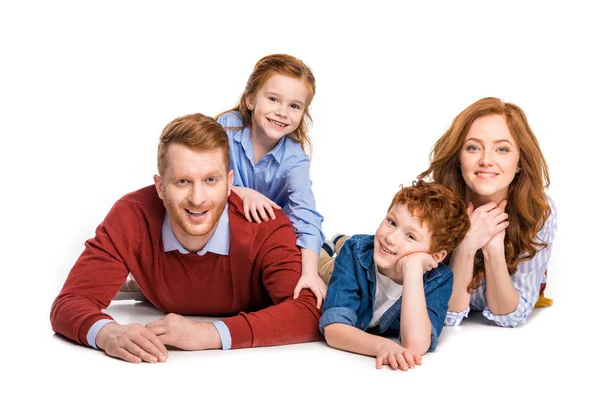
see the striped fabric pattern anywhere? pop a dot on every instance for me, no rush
(528, 279)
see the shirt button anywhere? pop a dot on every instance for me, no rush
(362, 326)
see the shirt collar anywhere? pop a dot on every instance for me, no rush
(243, 137)
(217, 244)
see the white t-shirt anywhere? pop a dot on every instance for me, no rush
(387, 292)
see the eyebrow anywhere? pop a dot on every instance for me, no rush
(279, 95)
(495, 141)
(418, 229)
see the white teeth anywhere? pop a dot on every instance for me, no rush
(277, 123)
(197, 213)
(485, 174)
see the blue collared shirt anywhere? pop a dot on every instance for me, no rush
(282, 175)
(217, 244)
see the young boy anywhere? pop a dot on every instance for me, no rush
(394, 283)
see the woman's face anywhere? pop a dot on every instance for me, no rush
(489, 157)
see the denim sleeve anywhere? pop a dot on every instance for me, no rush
(343, 300)
(437, 306)
(301, 207)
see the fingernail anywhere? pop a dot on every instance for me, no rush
(162, 359)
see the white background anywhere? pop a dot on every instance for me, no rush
(86, 88)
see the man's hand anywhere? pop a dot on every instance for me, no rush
(183, 333)
(396, 357)
(134, 343)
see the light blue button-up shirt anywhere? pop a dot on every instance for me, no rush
(217, 244)
(282, 175)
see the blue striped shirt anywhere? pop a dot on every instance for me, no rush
(282, 175)
(527, 280)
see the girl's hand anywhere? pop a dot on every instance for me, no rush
(256, 205)
(315, 284)
(487, 221)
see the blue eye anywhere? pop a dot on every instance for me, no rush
(212, 179)
(472, 147)
(503, 149)
(296, 106)
(182, 181)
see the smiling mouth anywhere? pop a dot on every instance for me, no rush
(196, 213)
(486, 174)
(277, 123)
(385, 249)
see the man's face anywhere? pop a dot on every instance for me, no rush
(194, 189)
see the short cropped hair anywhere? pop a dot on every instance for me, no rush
(196, 131)
(438, 206)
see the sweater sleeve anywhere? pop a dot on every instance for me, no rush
(97, 275)
(287, 321)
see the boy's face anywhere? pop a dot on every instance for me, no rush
(399, 234)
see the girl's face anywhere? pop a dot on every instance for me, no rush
(278, 108)
(489, 158)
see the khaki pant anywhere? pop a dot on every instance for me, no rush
(326, 262)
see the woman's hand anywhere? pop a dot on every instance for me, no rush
(487, 222)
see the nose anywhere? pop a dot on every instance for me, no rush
(282, 110)
(485, 159)
(198, 195)
(391, 239)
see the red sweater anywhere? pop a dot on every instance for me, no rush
(255, 281)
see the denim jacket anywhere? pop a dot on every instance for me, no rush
(351, 292)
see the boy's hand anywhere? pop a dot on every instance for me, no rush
(396, 356)
(256, 205)
(417, 260)
(315, 284)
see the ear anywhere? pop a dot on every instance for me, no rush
(229, 182)
(158, 185)
(439, 256)
(249, 103)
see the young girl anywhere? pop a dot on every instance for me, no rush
(268, 140)
(490, 157)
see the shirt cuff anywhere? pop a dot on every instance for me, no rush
(310, 242)
(514, 318)
(455, 318)
(224, 334)
(93, 332)
(337, 315)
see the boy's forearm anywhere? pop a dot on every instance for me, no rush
(415, 326)
(349, 338)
